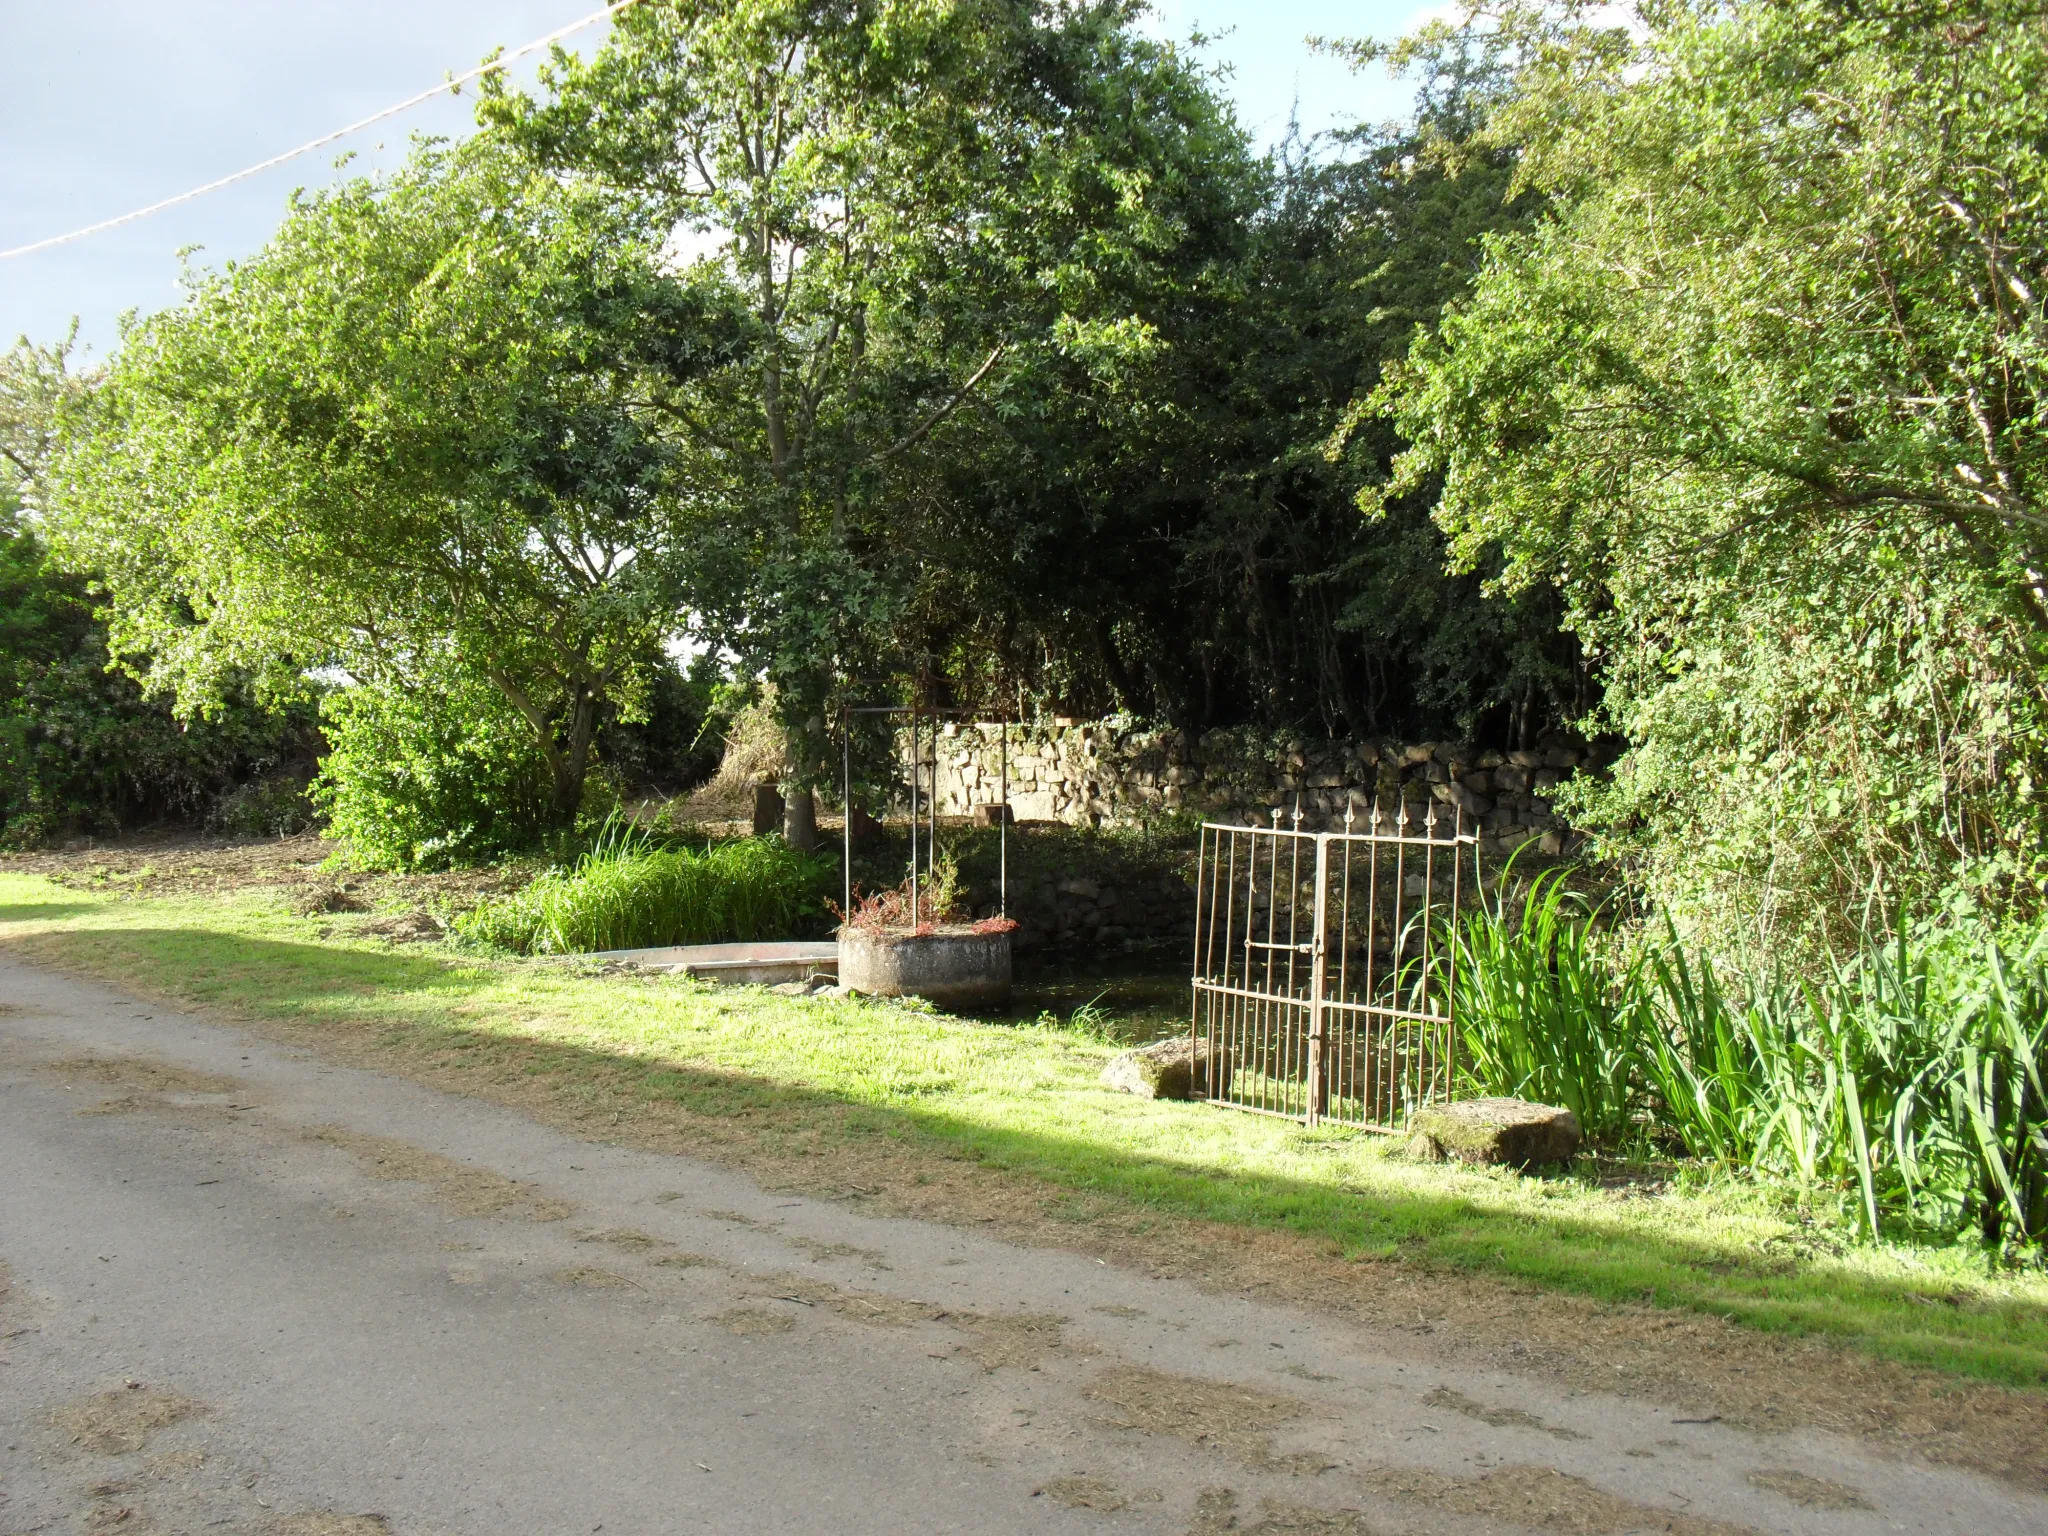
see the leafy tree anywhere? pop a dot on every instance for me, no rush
(408, 439)
(79, 746)
(922, 208)
(1762, 399)
(1163, 531)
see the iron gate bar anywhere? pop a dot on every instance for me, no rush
(916, 713)
(1302, 1040)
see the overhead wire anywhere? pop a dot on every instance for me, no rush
(452, 83)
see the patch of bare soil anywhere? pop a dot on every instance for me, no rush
(175, 1464)
(122, 1421)
(1537, 1499)
(1808, 1492)
(1022, 1339)
(755, 1322)
(1019, 1340)
(463, 1188)
(589, 1278)
(139, 1075)
(681, 1259)
(177, 861)
(1216, 1514)
(1499, 1418)
(1097, 1493)
(1234, 1420)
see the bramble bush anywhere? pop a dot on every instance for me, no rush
(432, 776)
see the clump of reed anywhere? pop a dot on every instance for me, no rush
(1904, 1081)
(631, 891)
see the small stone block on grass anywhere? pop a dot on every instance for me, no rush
(1179, 1068)
(1512, 1132)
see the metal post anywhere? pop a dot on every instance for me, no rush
(913, 816)
(1317, 1088)
(1450, 1072)
(846, 805)
(1003, 830)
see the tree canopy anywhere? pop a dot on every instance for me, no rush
(1762, 400)
(409, 437)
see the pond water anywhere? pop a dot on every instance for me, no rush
(1130, 997)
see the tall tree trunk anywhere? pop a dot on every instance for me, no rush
(569, 760)
(800, 818)
(571, 763)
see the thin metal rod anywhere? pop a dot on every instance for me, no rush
(846, 810)
(913, 818)
(1318, 1089)
(1195, 996)
(1003, 831)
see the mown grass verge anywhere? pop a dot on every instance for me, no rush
(776, 1078)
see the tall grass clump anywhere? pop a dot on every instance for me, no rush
(1905, 1082)
(629, 892)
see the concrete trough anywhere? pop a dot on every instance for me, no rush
(953, 966)
(738, 965)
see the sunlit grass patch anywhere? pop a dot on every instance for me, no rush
(763, 1076)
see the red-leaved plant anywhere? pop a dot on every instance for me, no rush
(937, 900)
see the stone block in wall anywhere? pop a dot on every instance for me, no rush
(1463, 799)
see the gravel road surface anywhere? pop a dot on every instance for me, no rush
(245, 1290)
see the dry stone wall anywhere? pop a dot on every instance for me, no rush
(1096, 773)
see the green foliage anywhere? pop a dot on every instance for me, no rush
(426, 777)
(1543, 1017)
(1906, 1083)
(407, 434)
(80, 749)
(990, 257)
(670, 736)
(630, 893)
(1761, 400)
(1168, 536)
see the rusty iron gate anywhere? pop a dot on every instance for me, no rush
(1324, 985)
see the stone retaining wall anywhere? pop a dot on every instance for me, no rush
(1094, 773)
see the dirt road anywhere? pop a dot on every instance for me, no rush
(246, 1290)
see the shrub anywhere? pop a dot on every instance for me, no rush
(81, 748)
(434, 776)
(627, 893)
(272, 807)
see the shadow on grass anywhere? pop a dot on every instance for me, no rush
(44, 911)
(400, 1000)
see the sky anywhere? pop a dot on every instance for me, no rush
(114, 104)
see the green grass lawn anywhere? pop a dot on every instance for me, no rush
(803, 1077)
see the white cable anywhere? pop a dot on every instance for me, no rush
(339, 133)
